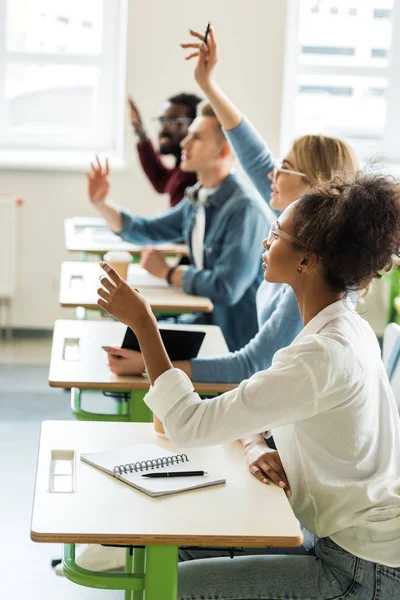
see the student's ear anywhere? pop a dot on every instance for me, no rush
(225, 151)
(309, 261)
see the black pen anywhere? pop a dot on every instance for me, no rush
(175, 474)
(207, 32)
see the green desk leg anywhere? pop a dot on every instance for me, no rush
(138, 411)
(134, 410)
(161, 573)
(127, 581)
(138, 567)
(134, 563)
(84, 415)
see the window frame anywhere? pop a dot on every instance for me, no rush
(75, 153)
(293, 69)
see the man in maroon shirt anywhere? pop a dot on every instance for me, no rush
(178, 113)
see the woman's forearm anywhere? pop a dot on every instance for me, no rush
(154, 354)
(227, 114)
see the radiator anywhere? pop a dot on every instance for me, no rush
(8, 245)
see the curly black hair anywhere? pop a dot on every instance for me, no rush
(354, 226)
(191, 101)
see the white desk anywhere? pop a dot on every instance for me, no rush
(243, 512)
(93, 236)
(78, 361)
(80, 281)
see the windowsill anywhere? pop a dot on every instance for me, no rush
(55, 161)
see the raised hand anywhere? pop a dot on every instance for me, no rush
(136, 118)
(98, 183)
(267, 467)
(207, 57)
(122, 302)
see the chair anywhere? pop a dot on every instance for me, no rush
(391, 358)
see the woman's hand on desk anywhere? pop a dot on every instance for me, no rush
(266, 466)
(123, 361)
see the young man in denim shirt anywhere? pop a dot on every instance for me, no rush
(222, 220)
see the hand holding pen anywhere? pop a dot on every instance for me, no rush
(206, 51)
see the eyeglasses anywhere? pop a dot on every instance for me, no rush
(172, 121)
(279, 169)
(276, 232)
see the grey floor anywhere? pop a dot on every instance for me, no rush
(25, 571)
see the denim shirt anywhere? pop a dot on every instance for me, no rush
(236, 224)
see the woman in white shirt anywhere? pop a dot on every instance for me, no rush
(329, 404)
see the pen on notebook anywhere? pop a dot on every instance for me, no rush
(175, 474)
(207, 32)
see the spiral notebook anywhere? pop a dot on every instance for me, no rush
(130, 463)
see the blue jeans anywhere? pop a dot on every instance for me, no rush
(332, 574)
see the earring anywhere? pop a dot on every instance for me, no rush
(300, 270)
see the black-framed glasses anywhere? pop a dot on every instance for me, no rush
(172, 121)
(276, 232)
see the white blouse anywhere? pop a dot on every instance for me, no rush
(328, 402)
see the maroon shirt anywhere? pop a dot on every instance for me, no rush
(165, 180)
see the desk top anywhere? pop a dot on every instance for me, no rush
(93, 235)
(77, 359)
(80, 280)
(103, 510)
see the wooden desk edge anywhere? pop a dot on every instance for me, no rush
(155, 307)
(169, 540)
(134, 252)
(120, 386)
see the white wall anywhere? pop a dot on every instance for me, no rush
(251, 37)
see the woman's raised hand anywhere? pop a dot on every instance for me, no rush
(207, 57)
(123, 302)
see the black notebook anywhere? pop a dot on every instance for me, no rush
(130, 463)
(179, 344)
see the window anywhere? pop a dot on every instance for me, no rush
(380, 13)
(345, 85)
(379, 53)
(326, 89)
(330, 50)
(62, 65)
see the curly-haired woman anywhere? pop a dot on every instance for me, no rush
(328, 404)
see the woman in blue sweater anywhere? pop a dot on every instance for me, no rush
(312, 159)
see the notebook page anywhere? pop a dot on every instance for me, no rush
(124, 456)
(106, 461)
(170, 485)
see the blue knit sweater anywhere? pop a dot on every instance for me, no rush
(278, 314)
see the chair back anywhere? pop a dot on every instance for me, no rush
(391, 358)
